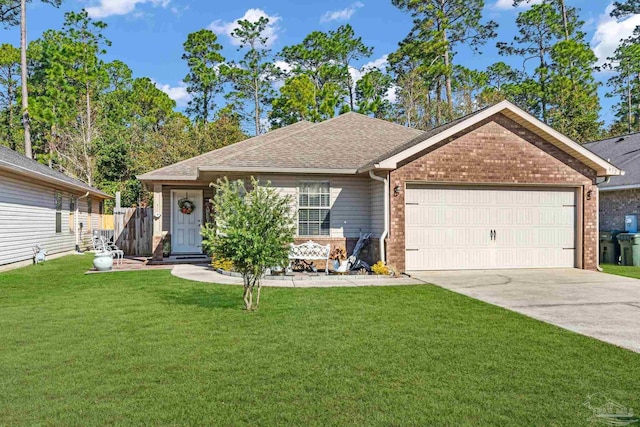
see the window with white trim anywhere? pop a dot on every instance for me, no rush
(314, 208)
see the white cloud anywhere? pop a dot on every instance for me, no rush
(106, 8)
(271, 32)
(177, 93)
(508, 4)
(610, 31)
(380, 63)
(283, 65)
(342, 14)
(392, 95)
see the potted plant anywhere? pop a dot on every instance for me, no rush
(339, 257)
(166, 248)
(103, 261)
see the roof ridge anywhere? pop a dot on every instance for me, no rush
(313, 125)
(355, 113)
(235, 145)
(623, 135)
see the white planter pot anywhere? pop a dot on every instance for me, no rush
(103, 261)
(340, 266)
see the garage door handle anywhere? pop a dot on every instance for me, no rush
(492, 234)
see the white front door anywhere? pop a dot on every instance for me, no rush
(450, 228)
(185, 228)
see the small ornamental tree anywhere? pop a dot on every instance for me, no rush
(253, 230)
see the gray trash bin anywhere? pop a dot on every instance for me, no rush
(629, 248)
(609, 248)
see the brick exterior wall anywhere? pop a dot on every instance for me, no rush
(614, 205)
(494, 151)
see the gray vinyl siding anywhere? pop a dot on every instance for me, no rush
(350, 200)
(28, 217)
(377, 208)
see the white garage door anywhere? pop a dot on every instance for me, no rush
(451, 228)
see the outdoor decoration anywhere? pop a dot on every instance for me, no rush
(339, 257)
(186, 206)
(103, 261)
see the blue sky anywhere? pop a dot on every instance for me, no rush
(148, 34)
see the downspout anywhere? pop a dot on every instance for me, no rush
(77, 221)
(606, 181)
(386, 213)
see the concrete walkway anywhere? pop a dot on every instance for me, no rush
(201, 273)
(598, 305)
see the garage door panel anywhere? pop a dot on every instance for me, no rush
(452, 259)
(449, 228)
(426, 238)
(419, 217)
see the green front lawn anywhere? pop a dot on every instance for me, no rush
(621, 270)
(147, 348)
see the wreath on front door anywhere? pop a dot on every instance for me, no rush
(186, 206)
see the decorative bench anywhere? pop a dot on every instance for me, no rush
(312, 251)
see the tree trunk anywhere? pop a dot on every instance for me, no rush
(564, 19)
(23, 64)
(10, 138)
(205, 108)
(448, 84)
(629, 102)
(256, 99)
(245, 294)
(258, 296)
(350, 84)
(543, 85)
(88, 137)
(438, 103)
(445, 40)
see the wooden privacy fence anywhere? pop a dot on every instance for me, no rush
(134, 230)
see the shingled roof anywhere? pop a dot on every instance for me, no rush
(19, 164)
(624, 152)
(342, 144)
(354, 143)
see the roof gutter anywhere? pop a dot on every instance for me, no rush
(619, 187)
(386, 213)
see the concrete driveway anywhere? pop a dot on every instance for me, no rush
(598, 305)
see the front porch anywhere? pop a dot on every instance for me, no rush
(353, 207)
(179, 210)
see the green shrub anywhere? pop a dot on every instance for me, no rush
(253, 230)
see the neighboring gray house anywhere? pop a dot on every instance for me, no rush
(494, 189)
(41, 206)
(620, 195)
